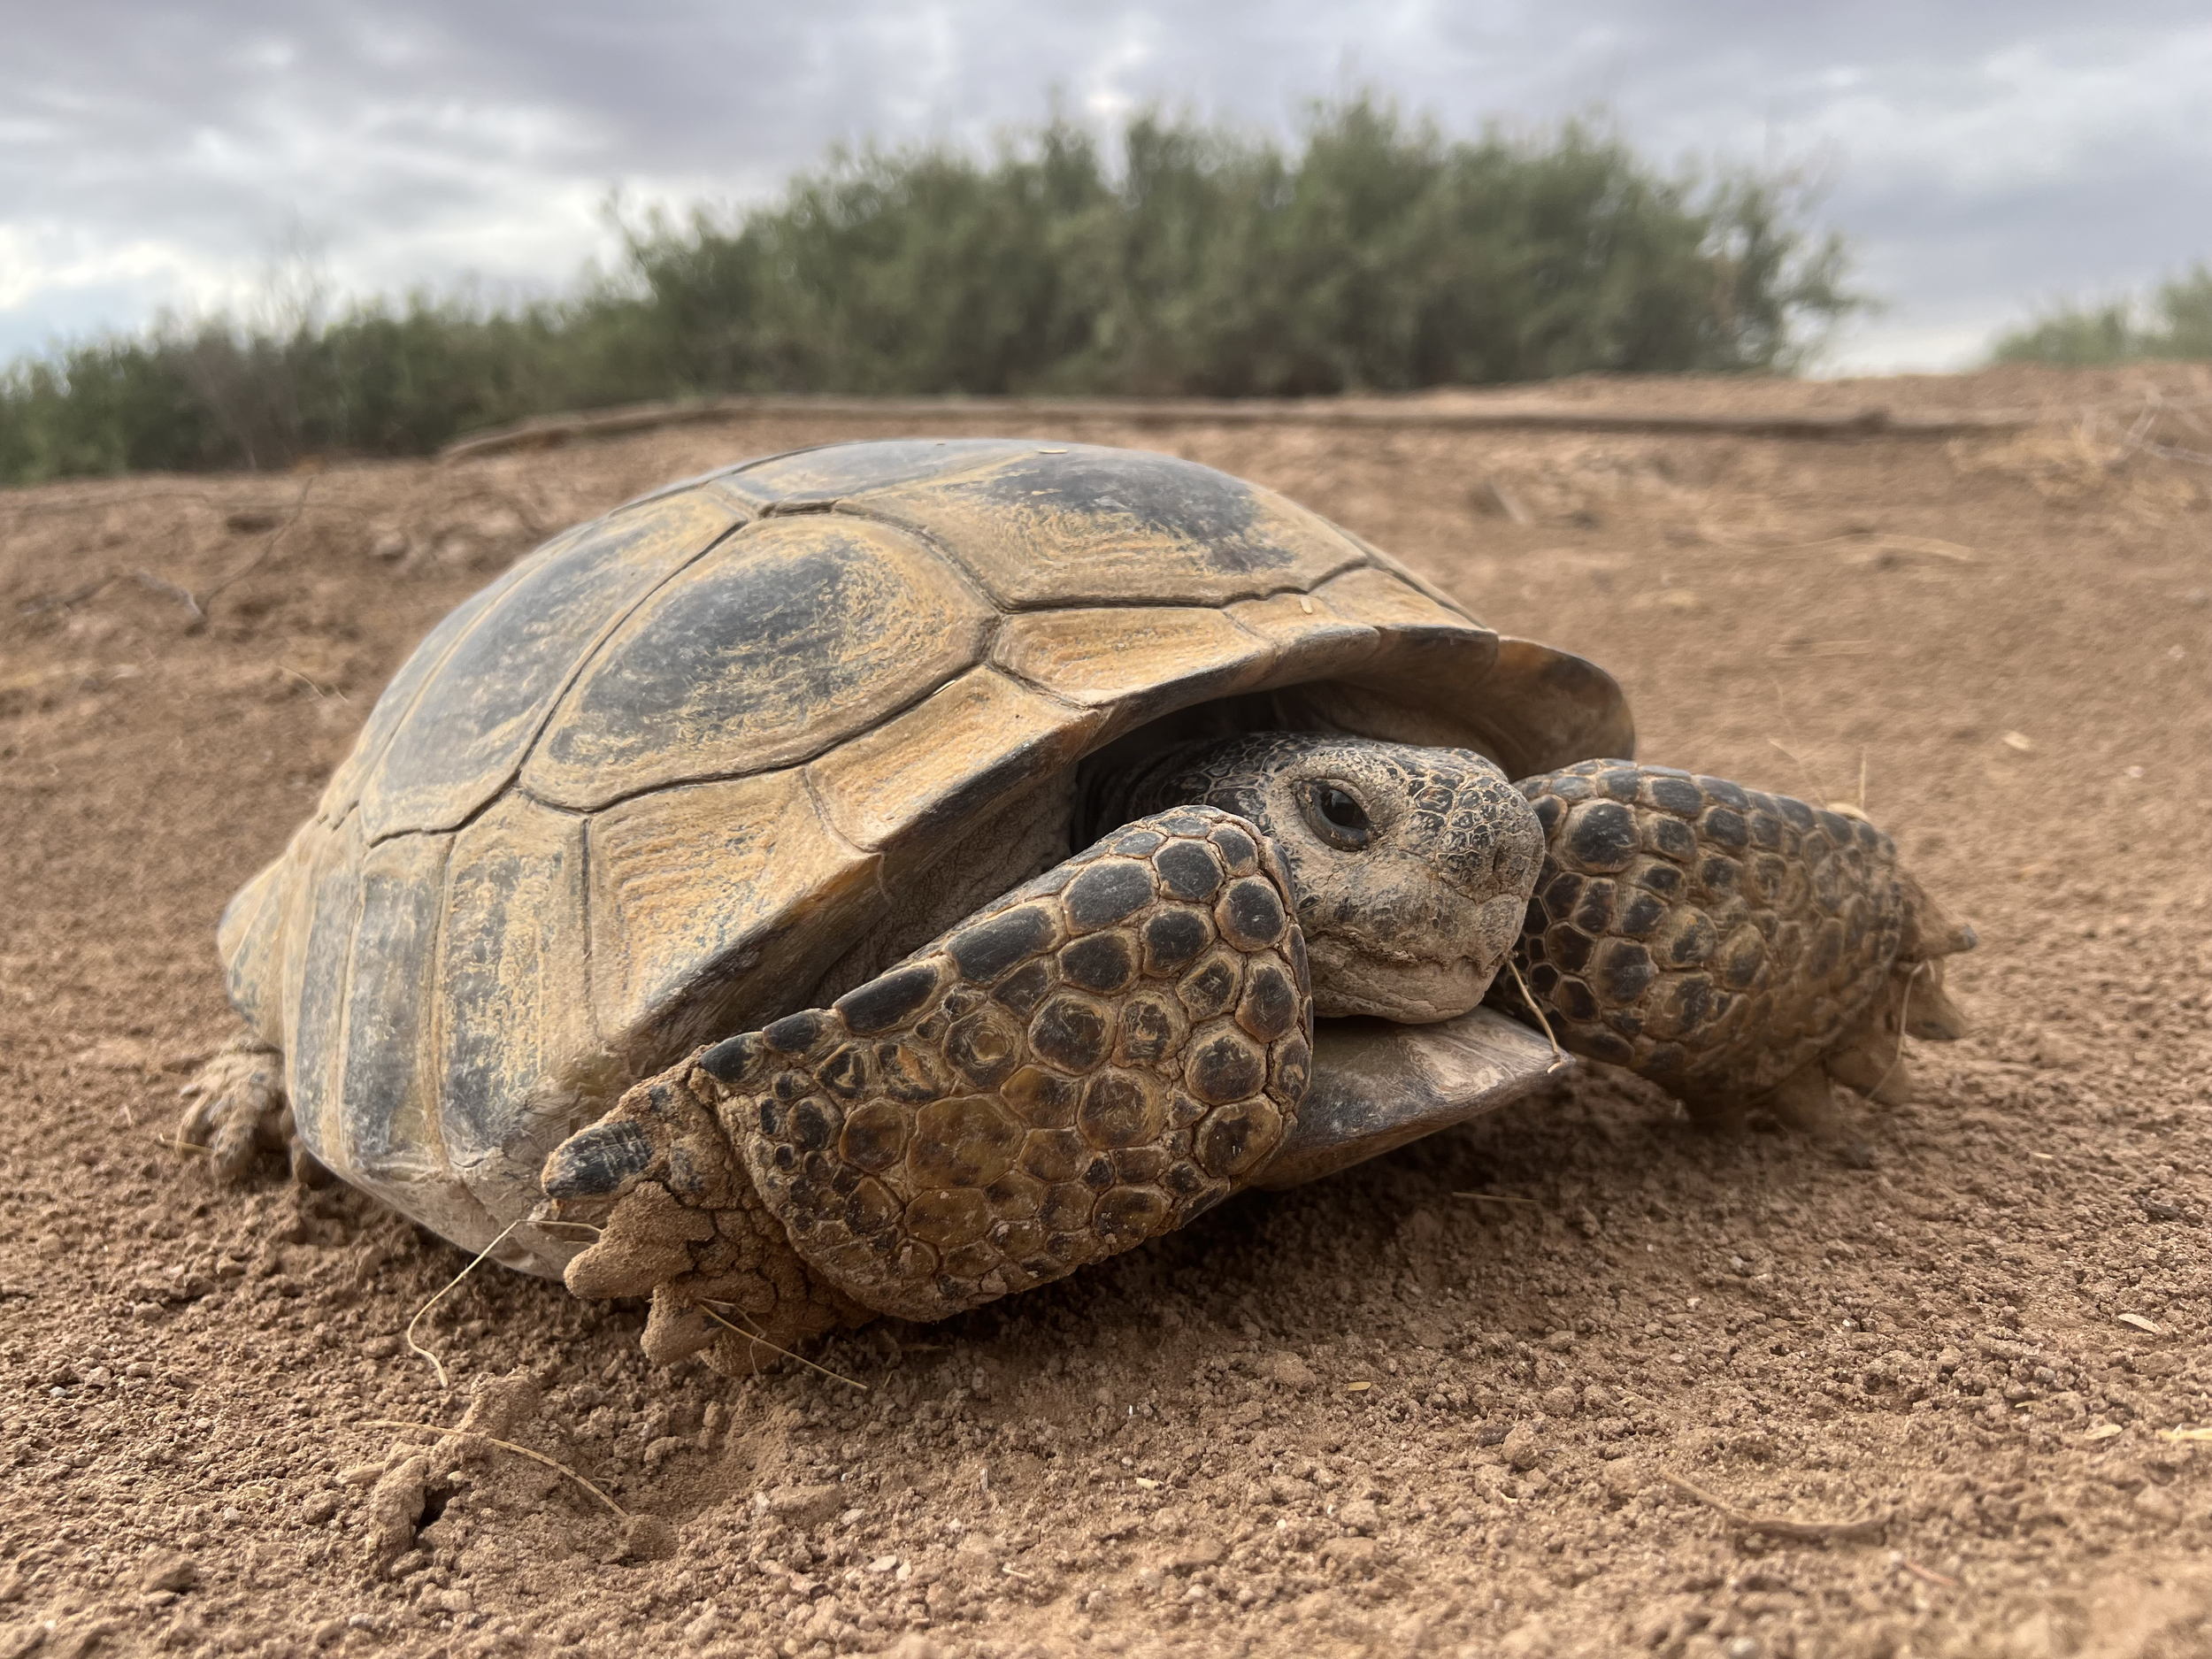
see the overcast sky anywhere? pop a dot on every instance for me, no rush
(1983, 157)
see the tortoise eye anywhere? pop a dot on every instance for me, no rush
(1337, 817)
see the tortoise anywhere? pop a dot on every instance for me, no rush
(882, 877)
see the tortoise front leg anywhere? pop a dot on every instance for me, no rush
(1736, 947)
(1092, 1061)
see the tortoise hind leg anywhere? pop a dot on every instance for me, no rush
(237, 1109)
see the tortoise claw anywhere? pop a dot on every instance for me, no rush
(595, 1162)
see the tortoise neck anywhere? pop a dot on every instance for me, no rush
(1149, 783)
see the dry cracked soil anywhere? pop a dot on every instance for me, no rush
(1543, 1384)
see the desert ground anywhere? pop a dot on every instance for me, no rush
(1578, 1377)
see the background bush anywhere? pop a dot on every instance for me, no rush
(1374, 255)
(2176, 323)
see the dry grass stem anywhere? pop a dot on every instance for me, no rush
(506, 1445)
(1904, 1020)
(436, 1364)
(1927, 1573)
(754, 1337)
(1559, 1054)
(1867, 1531)
(1500, 1198)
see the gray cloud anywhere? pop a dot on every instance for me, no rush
(1981, 158)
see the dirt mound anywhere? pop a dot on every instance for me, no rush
(1540, 1386)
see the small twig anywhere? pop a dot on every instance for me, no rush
(755, 1336)
(268, 546)
(1500, 1198)
(1929, 1573)
(182, 1146)
(62, 602)
(436, 1364)
(1904, 1017)
(506, 1445)
(1559, 1054)
(1781, 1526)
(152, 583)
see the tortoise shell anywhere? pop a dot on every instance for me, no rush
(644, 789)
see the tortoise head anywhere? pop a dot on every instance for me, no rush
(1412, 866)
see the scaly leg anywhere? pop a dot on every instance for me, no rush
(1085, 1064)
(1738, 948)
(237, 1107)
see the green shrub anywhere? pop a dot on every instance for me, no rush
(1374, 255)
(2178, 323)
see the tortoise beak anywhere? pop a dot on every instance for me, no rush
(1378, 1086)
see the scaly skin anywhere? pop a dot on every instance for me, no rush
(1096, 1059)
(1735, 947)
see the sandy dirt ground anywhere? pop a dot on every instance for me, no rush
(1376, 1415)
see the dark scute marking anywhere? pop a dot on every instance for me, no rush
(1107, 893)
(594, 1163)
(885, 1001)
(814, 1124)
(1565, 949)
(1624, 970)
(1619, 784)
(990, 948)
(1593, 914)
(908, 1074)
(1544, 978)
(1725, 792)
(790, 1086)
(1225, 1067)
(1602, 835)
(1726, 826)
(1147, 1030)
(1176, 501)
(1098, 1175)
(1188, 871)
(772, 1119)
(1023, 988)
(984, 1048)
(1567, 787)
(1173, 940)
(1719, 876)
(1676, 795)
(1236, 847)
(1794, 810)
(1135, 843)
(794, 1034)
(1561, 891)
(1250, 915)
(1604, 1045)
(1549, 810)
(1661, 878)
(1835, 827)
(846, 1071)
(1641, 914)
(1102, 962)
(1236, 1137)
(1670, 837)
(1116, 1112)
(727, 1061)
(875, 1136)
(1269, 1007)
(1574, 999)
(1131, 1213)
(1291, 1064)
(1070, 1032)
